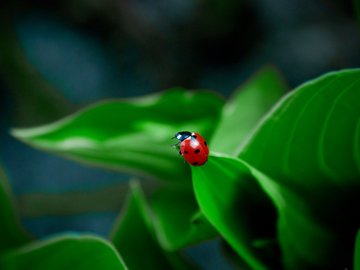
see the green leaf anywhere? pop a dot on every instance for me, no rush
(12, 233)
(131, 135)
(303, 239)
(135, 239)
(233, 201)
(177, 219)
(357, 252)
(312, 136)
(64, 252)
(244, 109)
(310, 144)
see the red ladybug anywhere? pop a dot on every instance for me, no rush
(193, 147)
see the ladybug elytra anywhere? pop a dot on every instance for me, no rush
(193, 147)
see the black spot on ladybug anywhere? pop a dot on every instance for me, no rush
(197, 151)
(205, 143)
(195, 163)
(186, 152)
(194, 136)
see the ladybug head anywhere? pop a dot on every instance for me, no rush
(182, 135)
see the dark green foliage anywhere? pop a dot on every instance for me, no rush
(12, 235)
(65, 252)
(235, 204)
(357, 252)
(178, 221)
(135, 235)
(281, 185)
(309, 144)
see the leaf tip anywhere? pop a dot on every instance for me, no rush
(21, 133)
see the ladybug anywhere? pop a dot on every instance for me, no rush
(193, 147)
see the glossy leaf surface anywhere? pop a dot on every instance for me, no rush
(131, 135)
(313, 134)
(233, 201)
(310, 145)
(244, 109)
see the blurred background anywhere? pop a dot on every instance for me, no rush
(61, 55)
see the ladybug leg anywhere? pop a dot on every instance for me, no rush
(180, 153)
(175, 144)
